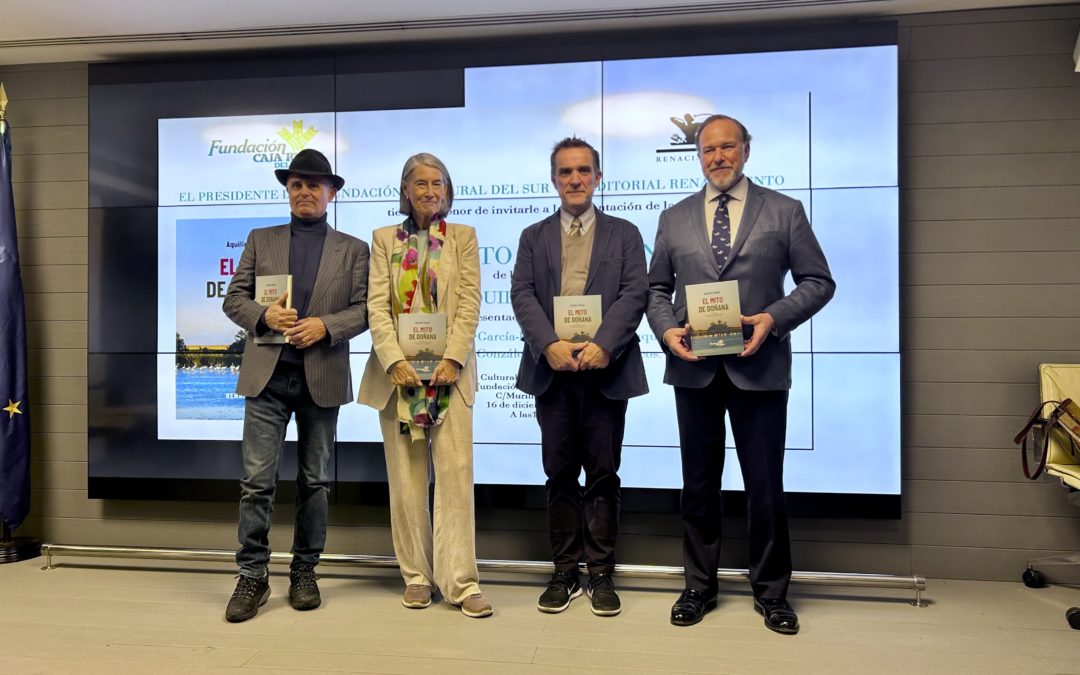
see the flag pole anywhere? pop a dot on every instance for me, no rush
(3, 108)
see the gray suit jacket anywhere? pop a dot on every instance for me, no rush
(339, 298)
(774, 237)
(616, 273)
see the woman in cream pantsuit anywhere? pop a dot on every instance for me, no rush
(427, 265)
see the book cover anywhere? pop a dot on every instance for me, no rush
(713, 313)
(194, 274)
(423, 341)
(577, 317)
(268, 290)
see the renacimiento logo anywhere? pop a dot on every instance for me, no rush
(269, 151)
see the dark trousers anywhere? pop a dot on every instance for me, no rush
(580, 428)
(265, 419)
(759, 428)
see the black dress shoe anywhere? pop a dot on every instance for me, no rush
(779, 616)
(691, 607)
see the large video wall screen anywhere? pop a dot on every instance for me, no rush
(824, 126)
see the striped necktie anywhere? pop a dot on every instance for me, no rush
(575, 228)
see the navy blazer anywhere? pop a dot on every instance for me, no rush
(774, 237)
(617, 274)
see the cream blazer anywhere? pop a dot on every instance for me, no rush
(459, 298)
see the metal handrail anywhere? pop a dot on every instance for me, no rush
(49, 551)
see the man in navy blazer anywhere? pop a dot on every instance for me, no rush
(581, 389)
(733, 229)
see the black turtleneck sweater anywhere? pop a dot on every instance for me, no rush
(306, 238)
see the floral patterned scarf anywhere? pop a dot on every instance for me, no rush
(419, 408)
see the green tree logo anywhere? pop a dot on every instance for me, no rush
(298, 137)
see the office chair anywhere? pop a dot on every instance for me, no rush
(1057, 452)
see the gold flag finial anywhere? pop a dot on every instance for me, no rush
(3, 106)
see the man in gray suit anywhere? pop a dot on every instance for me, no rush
(581, 388)
(733, 229)
(308, 376)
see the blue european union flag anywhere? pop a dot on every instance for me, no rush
(14, 401)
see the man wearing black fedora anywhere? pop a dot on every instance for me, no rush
(307, 376)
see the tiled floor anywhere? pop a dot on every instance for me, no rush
(98, 616)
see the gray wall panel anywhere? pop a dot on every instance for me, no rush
(949, 365)
(1022, 267)
(994, 105)
(989, 203)
(59, 447)
(59, 390)
(985, 302)
(37, 251)
(1058, 333)
(54, 279)
(56, 306)
(50, 140)
(45, 112)
(1045, 168)
(964, 431)
(974, 464)
(991, 72)
(993, 38)
(990, 138)
(68, 362)
(63, 168)
(995, 235)
(52, 222)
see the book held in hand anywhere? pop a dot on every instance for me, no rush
(268, 289)
(577, 317)
(712, 311)
(423, 341)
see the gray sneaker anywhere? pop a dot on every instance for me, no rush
(605, 601)
(563, 587)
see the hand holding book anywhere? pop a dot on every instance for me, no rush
(274, 292)
(445, 373)
(279, 315)
(677, 340)
(763, 324)
(402, 374)
(562, 355)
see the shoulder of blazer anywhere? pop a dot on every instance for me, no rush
(613, 221)
(756, 191)
(384, 232)
(539, 225)
(270, 231)
(458, 230)
(337, 235)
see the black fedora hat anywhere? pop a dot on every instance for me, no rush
(309, 162)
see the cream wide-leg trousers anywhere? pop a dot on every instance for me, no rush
(408, 463)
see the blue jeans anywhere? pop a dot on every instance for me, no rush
(265, 419)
